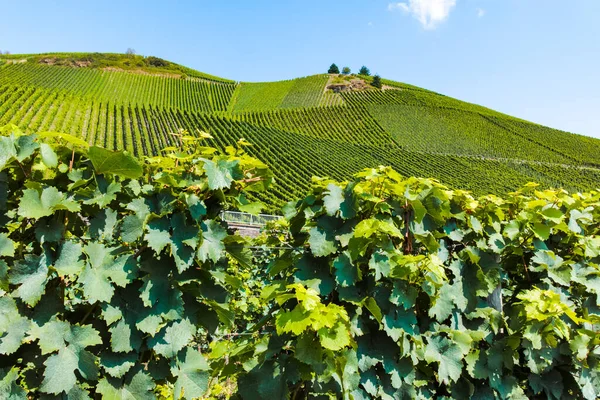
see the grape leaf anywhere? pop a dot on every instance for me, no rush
(101, 269)
(32, 275)
(335, 338)
(158, 236)
(9, 389)
(220, 174)
(191, 370)
(49, 157)
(7, 246)
(172, 338)
(139, 388)
(265, 381)
(117, 365)
(541, 230)
(59, 375)
(319, 244)
(346, 274)
(118, 163)
(7, 150)
(70, 260)
(104, 193)
(13, 326)
(449, 357)
(444, 303)
(212, 247)
(333, 199)
(35, 204)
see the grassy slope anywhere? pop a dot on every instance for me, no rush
(113, 60)
(419, 132)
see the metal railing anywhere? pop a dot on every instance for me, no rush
(242, 218)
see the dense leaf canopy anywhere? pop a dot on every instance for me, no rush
(118, 280)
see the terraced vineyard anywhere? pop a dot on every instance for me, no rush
(301, 129)
(125, 88)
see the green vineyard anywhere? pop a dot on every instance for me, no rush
(298, 127)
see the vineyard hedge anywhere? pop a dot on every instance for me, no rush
(118, 280)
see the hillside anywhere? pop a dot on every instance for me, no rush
(298, 127)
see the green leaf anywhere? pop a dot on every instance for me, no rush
(449, 357)
(320, 246)
(104, 193)
(397, 322)
(335, 338)
(13, 326)
(158, 236)
(7, 246)
(554, 215)
(403, 295)
(124, 337)
(381, 264)
(476, 224)
(132, 228)
(253, 208)
(118, 163)
(100, 270)
(172, 338)
(9, 389)
(308, 349)
(117, 365)
(220, 174)
(512, 229)
(70, 261)
(49, 157)
(36, 205)
(26, 145)
(333, 199)
(372, 306)
(59, 375)
(66, 137)
(7, 151)
(346, 274)
(541, 230)
(369, 227)
(212, 247)
(139, 388)
(444, 303)
(184, 241)
(551, 383)
(32, 275)
(51, 335)
(49, 230)
(191, 371)
(265, 381)
(3, 277)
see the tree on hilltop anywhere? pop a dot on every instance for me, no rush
(333, 69)
(130, 52)
(377, 82)
(346, 70)
(364, 71)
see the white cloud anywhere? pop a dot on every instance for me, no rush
(428, 12)
(480, 12)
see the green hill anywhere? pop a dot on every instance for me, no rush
(298, 127)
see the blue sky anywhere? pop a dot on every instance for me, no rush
(535, 59)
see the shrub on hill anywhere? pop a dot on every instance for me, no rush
(346, 70)
(364, 71)
(156, 62)
(333, 69)
(377, 82)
